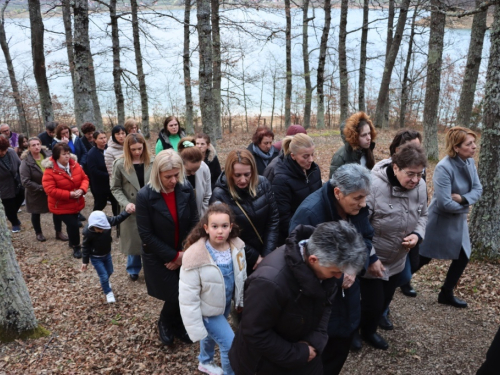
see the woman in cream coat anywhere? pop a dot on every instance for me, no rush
(130, 173)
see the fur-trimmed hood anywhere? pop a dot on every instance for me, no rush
(44, 151)
(211, 153)
(198, 256)
(73, 138)
(49, 162)
(349, 129)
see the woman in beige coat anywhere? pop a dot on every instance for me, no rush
(130, 173)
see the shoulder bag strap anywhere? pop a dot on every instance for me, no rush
(250, 221)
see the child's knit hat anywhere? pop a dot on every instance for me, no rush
(98, 219)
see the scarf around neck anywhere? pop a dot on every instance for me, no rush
(266, 157)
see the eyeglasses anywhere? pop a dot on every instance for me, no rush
(412, 175)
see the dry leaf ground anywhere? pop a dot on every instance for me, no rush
(89, 336)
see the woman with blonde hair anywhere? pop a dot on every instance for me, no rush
(130, 173)
(166, 212)
(197, 172)
(456, 188)
(251, 199)
(296, 175)
(131, 126)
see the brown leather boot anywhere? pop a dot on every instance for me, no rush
(40, 237)
(61, 236)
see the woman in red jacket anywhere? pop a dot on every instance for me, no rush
(66, 183)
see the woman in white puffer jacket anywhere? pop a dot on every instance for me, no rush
(213, 272)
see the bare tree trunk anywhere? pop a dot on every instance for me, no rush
(362, 57)
(17, 317)
(216, 63)
(82, 62)
(187, 68)
(307, 70)
(117, 70)
(68, 31)
(404, 85)
(288, 43)
(320, 79)
(485, 236)
(390, 38)
(472, 68)
(23, 123)
(140, 71)
(433, 81)
(244, 92)
(274, 97)
(93, 93)
(344, 77)
(38, 54)
(207, 103)
(389, 63)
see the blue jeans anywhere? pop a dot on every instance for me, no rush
(134, 264)
(405, 278)
(104, 267)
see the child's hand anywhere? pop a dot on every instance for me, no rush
(84, 267)
(130, 208)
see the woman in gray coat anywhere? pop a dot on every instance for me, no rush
(130, 173)
(456, 187)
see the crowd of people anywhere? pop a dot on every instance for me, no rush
(311, 266)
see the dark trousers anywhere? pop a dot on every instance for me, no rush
(492, 364)
(455, 271)
(101, 200)
(376, 295)
(72, 224)
(335, 354)
(12, 205)
(171, 316)
(35, 220)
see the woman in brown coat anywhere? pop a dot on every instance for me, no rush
(31, 172)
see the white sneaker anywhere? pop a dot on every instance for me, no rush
(110, 297)
(210, 369)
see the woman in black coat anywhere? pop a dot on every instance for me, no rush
(166, 212)
(98, 173)
(251, 198)
(295, 177)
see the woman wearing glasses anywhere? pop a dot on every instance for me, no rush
(398, 214)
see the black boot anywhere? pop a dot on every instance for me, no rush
(77, 252)
(356, 343)
(181, 334)
(385, 323)
(408, 290)
(166, 335)
(446, 297)
(375, 340)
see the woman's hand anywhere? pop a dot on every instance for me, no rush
(410, 241)
(65, 140)
(84, 267)
(348, 280)
(130, 208)
(456, 197)
(259, 259)
(172, 266)
(73, 194)
(376, 269)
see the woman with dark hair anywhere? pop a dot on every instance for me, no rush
(251, 198)
(358, 134)
(209, 156)
(64, 135)
(23, 145)
(197, 172)
(88, 130)
(11, 190)
(36, 199)
(262, 148)
(170, 135)
(98, 173)
(65, 183)
(115, 147)
(398, 214)
(131, 173)
(166, 213)
(456, 188)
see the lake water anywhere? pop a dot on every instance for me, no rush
(251, 51)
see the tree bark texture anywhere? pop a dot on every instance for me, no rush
(362, 57)
(93, 93)
(187, 68)
(307, 70)
(216, 63)
(344, 78)
(472, 68)
(82, 62)
(389, 63)
(485, 236)
(288, 46)
(68, 32)
(320, 78)
(16, 310)
(207, 102)
(38, 55)
(140, 71)
(433, 80)
(23, 123)
(390, 38)
(117, 70)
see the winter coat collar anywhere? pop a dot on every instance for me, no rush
(181, 195)
(210, 153)
(294, 168)
(113, 144)
(384, 171)
(73, 138)
(201, 256)
(26, 155)
(132, 176)
(50, 163)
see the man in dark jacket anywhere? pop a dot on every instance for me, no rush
(47, 137)
(287, 301)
